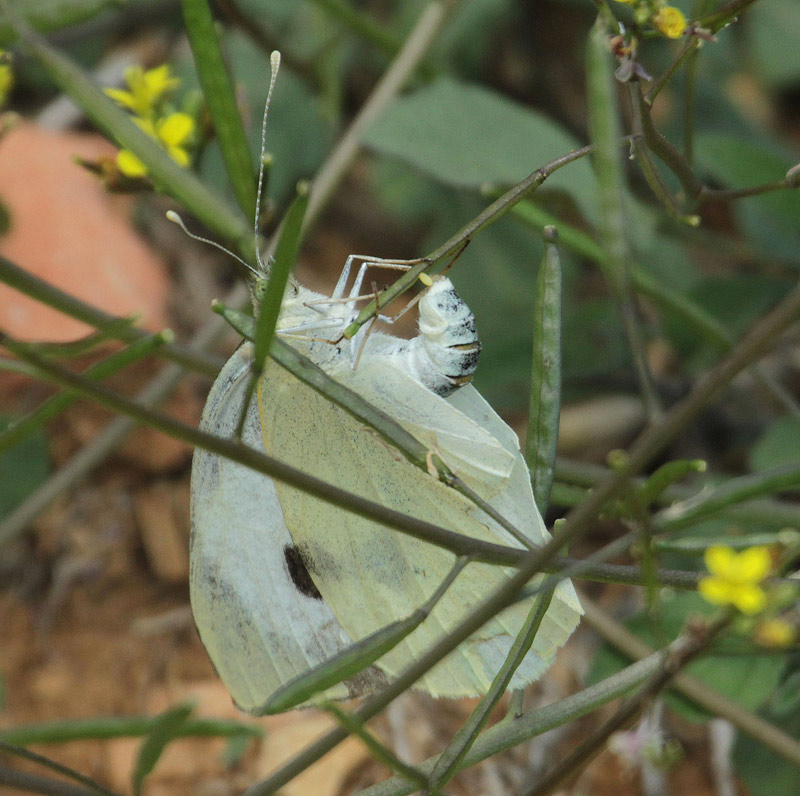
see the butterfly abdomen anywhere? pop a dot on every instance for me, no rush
(445, 353)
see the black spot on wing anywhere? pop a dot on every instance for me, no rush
(298, 572)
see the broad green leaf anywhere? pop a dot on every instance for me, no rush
(769, 220)
(764, 772)
(46, 16)
(773, 30)
(735, 300)
(748, 680)
(778, 445)
(466, 135)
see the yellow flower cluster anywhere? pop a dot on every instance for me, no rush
(145, 97)
(670, 21)
(666, 19)
(736, 578)
(6, 76)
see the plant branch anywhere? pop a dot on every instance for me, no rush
(451, 246)
(515, 730)
(90, 785)
(47, 293)
(709, 699)
(680, 653)
(718, 19)
(671, 156)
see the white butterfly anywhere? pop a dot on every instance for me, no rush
(255, 543)
(281, 581)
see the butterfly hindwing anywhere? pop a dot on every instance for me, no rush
(260, 626)
(371, 575)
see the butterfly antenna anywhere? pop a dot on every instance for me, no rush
(176, 219)
(274, 65)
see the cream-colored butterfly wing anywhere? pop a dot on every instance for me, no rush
(259, 628)
(432, 421)
(371, 575)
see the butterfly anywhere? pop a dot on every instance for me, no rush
(281, 581)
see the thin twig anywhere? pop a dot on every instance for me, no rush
(680, 653)
(757, 728)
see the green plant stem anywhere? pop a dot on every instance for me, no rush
(70, 474)
(723, 15)
(736, 490)
(104, 728)
(515, 730)
(672, 301)
(220, 97)
(456, 543)
(746, 721)
(33, 757)
(681, 652)
(35, 783)
(648, 167)
(605, 134)
(361, 25)
(689, 121)
(422, 37)
(487, 216)
(53, 406)
(329, 176)
(383, 755)
(688, 48)
(269, 305)
(468, 733)
(648, 445)
(760, 511)
(46, 293)
(673, 159)
(356, 657)
(720, 195)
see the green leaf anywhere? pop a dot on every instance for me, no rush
(778, 445)
(764, 772)
(748, 680)
(23, 468)
(466, 135)
(166, 728)
(50, 15)
(769, 220)
(773, 30)
(734, 300)
(220, 97)
(285, 256)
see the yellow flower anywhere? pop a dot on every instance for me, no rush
(736, 578)
(146, 89)
(6, 76)
(172, 132)
(775, 633)
(670, 21)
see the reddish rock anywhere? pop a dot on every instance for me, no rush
(67, 230)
